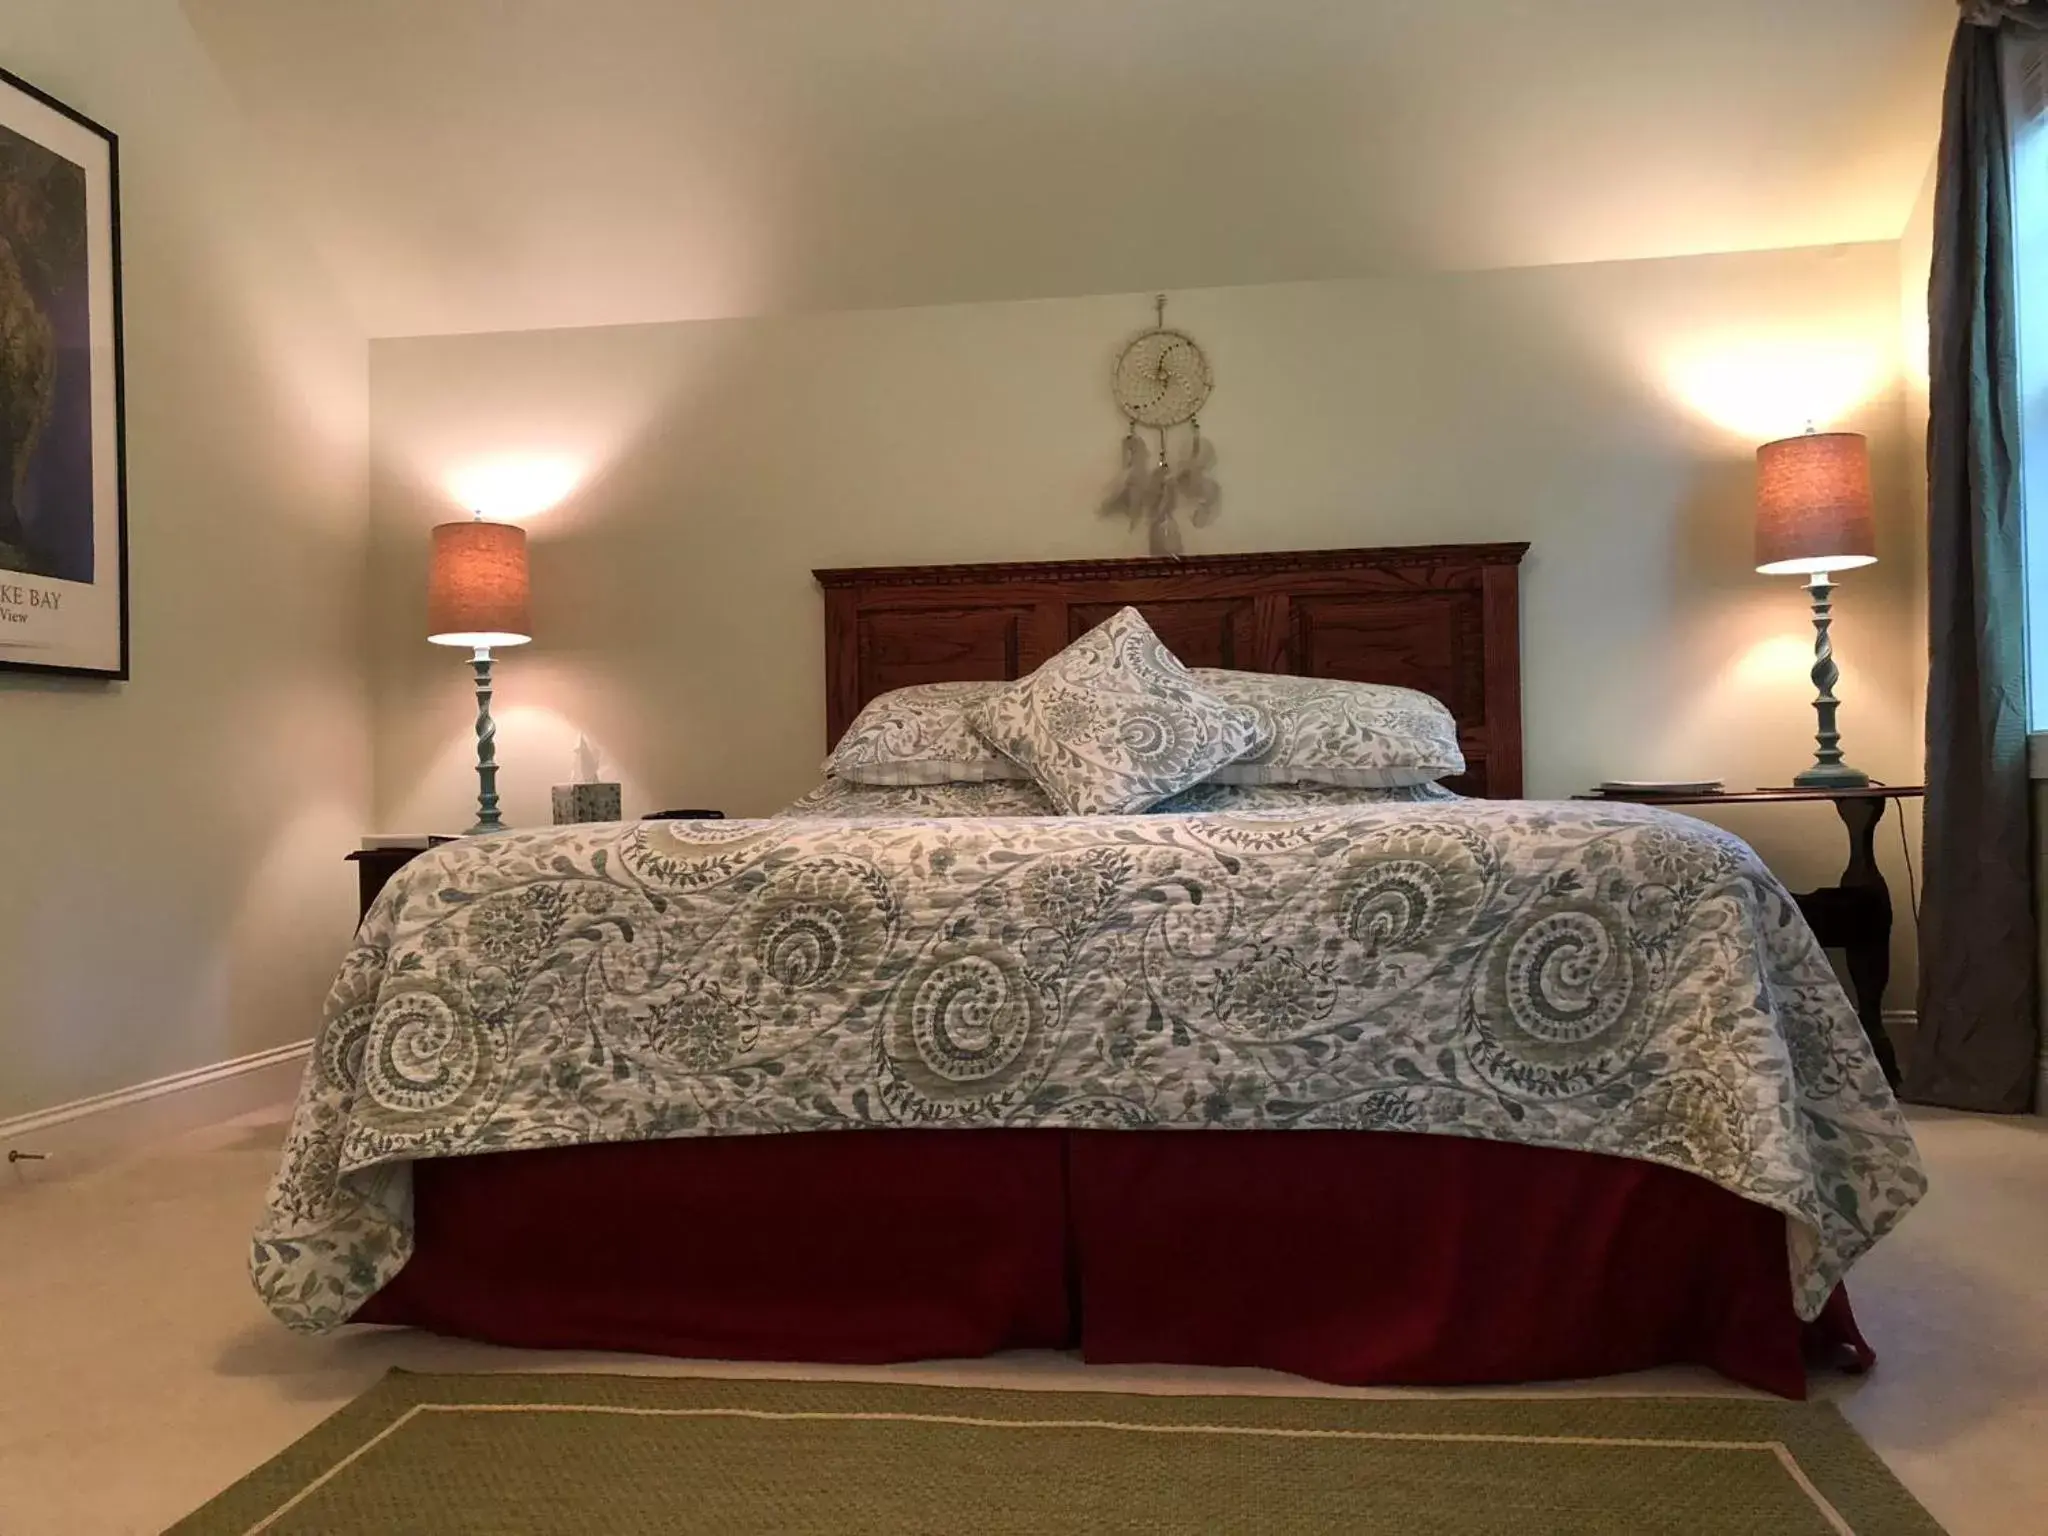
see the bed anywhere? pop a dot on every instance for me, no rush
(844, 1088)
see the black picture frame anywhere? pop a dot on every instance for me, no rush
(93, 641)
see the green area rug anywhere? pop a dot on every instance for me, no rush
(627, 1455)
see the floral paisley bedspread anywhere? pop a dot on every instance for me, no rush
(1608, 978)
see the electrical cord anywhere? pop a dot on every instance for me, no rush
(1912, 882)
(1906, 856)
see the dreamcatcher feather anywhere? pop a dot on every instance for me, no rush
(1195, 481)
(1162, 532)
(1136, 487)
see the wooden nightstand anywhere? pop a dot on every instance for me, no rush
(376, 866)
(1854, 916)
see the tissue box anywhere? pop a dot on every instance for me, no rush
(586, 802)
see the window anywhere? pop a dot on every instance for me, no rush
(2026, 104)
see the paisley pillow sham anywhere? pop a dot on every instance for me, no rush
(1212, 797)
(841, 800)
(1323, 731)
(1114, 723)
(920, 735)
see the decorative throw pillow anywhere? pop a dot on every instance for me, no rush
(1114, 723)
(838, 800)
(920, 735)
(1323, 731)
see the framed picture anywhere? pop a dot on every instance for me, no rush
(63, 472)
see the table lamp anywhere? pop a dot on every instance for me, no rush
(1813, 519)
(476, 597)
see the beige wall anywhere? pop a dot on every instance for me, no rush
(172, 893)
(1607, 413)
(1916, 255)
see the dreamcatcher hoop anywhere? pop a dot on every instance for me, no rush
(1161, 378)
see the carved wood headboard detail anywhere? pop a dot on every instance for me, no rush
(1440, 617)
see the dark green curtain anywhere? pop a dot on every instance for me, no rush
(1978, 1037)
(1989, 13)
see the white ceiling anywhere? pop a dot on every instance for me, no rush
(508, 164)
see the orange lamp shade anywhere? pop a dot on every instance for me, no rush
(476, 585)
(1813, 504)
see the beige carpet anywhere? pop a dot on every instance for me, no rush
(631, 1456)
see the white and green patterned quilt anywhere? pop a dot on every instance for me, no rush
(1602, 977)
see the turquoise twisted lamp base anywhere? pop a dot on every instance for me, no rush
(487, 817)
(1828, 770)
(1831, 776)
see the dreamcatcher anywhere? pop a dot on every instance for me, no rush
(1161, 381)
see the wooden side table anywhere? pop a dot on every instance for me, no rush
(1855, 915)
(376, 866)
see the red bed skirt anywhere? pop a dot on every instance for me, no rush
(1354, 1257)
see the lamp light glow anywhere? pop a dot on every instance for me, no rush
(521, 486)
(1767, 386)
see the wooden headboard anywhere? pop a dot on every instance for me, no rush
(1441, 618)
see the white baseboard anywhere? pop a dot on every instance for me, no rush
(109, 1126)
(1901, 1027)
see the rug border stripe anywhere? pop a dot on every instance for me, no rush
(1825, 1448)
(1777, 1449)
